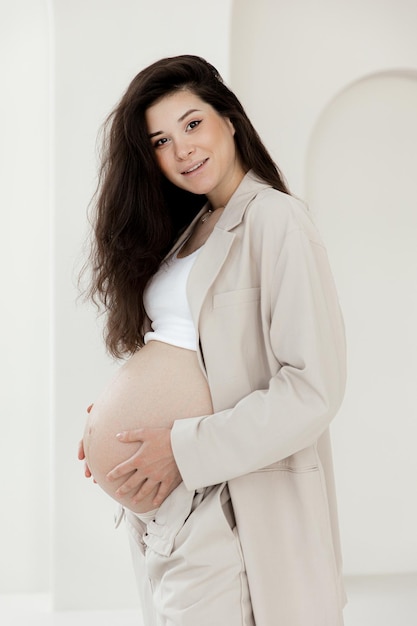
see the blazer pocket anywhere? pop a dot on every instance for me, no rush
(237, 297)
(300, 462)
(285, 466)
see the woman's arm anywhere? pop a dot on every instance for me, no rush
(306, 337)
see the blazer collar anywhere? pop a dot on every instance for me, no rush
(234, 211)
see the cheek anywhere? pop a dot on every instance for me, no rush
(228, 149)
(164, 164)
(225, 139)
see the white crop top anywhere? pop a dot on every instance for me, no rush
(166, 304)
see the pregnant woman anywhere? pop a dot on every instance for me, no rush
(213, 434)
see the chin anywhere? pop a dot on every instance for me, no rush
(199, 187)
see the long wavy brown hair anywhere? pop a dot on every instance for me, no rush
(138, 213)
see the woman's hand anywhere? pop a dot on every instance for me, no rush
(153, 464)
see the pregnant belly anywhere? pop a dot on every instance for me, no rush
(156, 386)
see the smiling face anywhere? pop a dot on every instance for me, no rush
(195, 146)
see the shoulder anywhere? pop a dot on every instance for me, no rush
(274, 215)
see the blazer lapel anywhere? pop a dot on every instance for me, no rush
(234, 210)
(217, 247)
(206, 267)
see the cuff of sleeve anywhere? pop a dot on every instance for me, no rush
(187, 453)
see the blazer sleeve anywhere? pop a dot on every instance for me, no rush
(307, 341)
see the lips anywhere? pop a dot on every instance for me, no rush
(194, 168)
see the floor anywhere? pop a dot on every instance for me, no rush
(373, 601)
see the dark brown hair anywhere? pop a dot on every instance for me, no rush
(138, 212)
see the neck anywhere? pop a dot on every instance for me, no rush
(221, 198)
(210, 211)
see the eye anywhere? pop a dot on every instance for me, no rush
(160, 142)
(193, 124)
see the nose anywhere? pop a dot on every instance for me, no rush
(183, 150)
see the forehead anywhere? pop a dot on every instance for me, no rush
(174, 105)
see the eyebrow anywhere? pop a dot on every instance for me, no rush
(180, 119)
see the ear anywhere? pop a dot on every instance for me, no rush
(230, 125)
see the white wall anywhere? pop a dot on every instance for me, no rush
(24, 267)
(349, 147)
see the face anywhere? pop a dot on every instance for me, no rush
(195, 146)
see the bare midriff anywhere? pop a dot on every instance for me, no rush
(158, 385)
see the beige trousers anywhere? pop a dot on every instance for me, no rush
(188, 562)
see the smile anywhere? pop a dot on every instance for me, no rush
(195, 167)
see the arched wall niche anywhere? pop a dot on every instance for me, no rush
(288, 60)
(409, 73)
(291, 64)
(394, 75)
(360, 184)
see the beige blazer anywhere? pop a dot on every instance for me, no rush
(272, 346)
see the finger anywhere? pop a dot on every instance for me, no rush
(149, 487)
(81, 454)
(87, 472)
(127, 436)
(163, 492)
(131, 465)
(133, 483)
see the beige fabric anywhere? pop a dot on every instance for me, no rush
(273, 348)
(189, 563)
